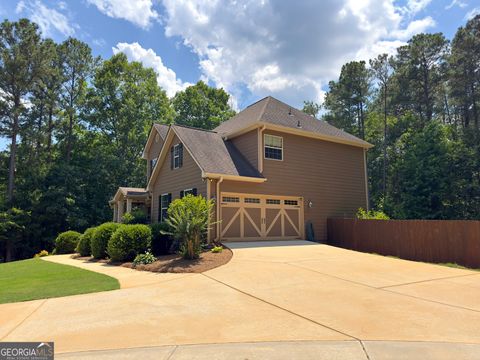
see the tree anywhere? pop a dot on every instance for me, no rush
(13, 224)
(311, 108)
(20, 68)
(202, 106)
(77, 66)
(382, 71)
(346, 99)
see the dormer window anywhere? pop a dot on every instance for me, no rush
(273, 147)
(176, 156)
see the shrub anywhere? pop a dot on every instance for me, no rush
(83, 247)
(99, 240)
(371, 215)
(66, 242)
(217, 249)
(41, 254)
(128, 241)
(188, 219)
(144, 259)
(137, 216)
(161, 240)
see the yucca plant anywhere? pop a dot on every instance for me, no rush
(188, 219)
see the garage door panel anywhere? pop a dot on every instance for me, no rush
(230, 222)
(252, 222)
(292, 226)
(273, 218)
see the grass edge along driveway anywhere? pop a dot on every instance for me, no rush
(37, 279)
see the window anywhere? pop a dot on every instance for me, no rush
(230, 199)
(290, 202)
(273, 147)
(164, 203)
(185, 192)
(176, 156)
(273, 201)
(252, 201)
(153, 162)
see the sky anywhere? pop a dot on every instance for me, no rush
(251, 48)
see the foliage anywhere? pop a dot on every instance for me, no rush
(371, 215)
(66, 242)
(38, 279)
(128, 241)
(144, 259)
(202, 106)
(161, 240)
(100, 238)
(217, 249)
(136, 216)
(84, 244)
(311, 108)
(42, 253)
(188, 219)
(13, 226)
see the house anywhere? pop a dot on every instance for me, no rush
(270, 169)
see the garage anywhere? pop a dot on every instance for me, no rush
(250, 217)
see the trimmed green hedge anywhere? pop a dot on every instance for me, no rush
(66, 242)
(83, 247)
(99, 241)
(128, 241)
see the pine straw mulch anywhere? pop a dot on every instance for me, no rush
(174, 263)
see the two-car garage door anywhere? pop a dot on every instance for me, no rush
(260, 217)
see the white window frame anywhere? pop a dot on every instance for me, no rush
(190, 191)
(176, 156)
(161, 206)
(272, 147)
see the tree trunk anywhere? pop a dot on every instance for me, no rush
(49, 133)
(13, 155)
(8, 250)
(385, 142)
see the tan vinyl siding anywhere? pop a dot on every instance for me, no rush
(247, 145)
(176, 180)
(330, 175)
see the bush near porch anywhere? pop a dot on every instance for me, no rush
(128, 241)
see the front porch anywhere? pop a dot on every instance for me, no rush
(128, 199)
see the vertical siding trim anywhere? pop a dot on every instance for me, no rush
(208, 199)
(260, 148)
(366, 179)
(218, 217)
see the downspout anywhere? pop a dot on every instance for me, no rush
(220, 180)
(366, 179)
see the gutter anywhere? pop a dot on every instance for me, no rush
(218, 207)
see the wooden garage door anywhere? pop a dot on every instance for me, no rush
(260, 217)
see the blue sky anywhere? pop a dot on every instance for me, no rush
(251, 48)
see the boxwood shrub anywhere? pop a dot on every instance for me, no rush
(99, 240)
(66, 242)
(161, 243)
(83, 246)
(128, 241)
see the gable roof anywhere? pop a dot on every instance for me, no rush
(159, 129)
(128, 191)
(277, 115)
(213, 155)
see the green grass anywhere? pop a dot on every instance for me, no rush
(38, 279)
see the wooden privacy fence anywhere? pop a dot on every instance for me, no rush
(438, 241)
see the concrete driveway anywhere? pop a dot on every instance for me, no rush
(277, 300)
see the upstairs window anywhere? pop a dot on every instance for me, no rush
(153, 162)
(176, 156)
(185, 192)
(273, 148)
(164, 202)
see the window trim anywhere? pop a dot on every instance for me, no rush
(272, 147)
(176, 148)
(161, 205)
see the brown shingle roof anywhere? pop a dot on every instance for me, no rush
(213, 154)
(272, 111)
(162, 130)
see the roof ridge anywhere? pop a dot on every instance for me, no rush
(256, 102)
(194, 128)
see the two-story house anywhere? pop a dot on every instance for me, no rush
(270, 169)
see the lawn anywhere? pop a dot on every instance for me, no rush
(38, 279)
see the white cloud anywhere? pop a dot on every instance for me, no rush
(138, 12)
(49, 20)
(413, 28)
(166, 77)
(472, 13)
(458, 3)
(288, 49)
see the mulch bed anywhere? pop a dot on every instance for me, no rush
(176, 264)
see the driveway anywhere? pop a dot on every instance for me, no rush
(272, 300)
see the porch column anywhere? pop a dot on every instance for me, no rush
(115, 212)
(120, 210)
(129, 205)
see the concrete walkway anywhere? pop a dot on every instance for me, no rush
(272, 300)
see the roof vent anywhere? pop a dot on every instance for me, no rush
(290, 112)
(299, 125)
